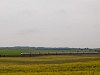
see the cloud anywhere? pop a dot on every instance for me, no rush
(51, 20)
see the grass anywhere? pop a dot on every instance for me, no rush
(17, 52)
(13, 52)
(51, 65)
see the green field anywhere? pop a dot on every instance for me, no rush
(51, 65)
(18, 52)
(14, 52)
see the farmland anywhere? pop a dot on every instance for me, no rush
(18, 52)
(51, 65)
(13, 52)
(12, 63)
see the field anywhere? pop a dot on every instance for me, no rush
(51, 65)
(18, 52)
(14, 52)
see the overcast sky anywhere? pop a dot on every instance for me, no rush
(50, 23)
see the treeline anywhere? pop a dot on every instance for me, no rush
(43, 48)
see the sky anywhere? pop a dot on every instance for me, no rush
(50, 23)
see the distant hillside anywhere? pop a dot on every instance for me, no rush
(43, 48)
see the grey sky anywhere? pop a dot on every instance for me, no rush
(52, 23)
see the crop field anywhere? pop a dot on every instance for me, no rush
(51, 65)
(14, 52)
(18, 52)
